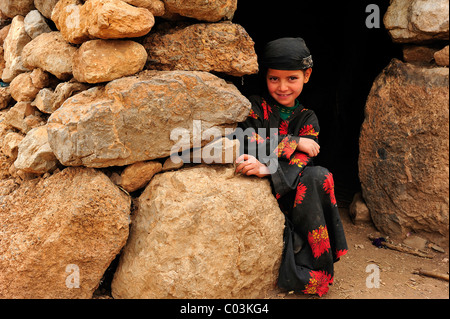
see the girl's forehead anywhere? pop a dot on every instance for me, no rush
(284, 72)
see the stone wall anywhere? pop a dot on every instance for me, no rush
(404, 145)
(95, 96)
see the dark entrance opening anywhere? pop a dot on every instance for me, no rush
(347, 58)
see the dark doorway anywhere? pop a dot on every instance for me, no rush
(347, 57)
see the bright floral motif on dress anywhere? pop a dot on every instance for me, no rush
(319, 241)
(340, 253)
(284, 128)
(299, 159)
(300, 194)
(252, 114)
(256, 138)
(267, 109)
(308, 130)
(286, 147)
(328, 186)
(318, 283)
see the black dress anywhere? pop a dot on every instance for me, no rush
(314, 236)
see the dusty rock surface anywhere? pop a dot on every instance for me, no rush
(404, 149)
(53, 229)
(234, 246)
(218, 47)
(135, 118)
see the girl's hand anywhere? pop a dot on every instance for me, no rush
(249, 165)
(308, 146)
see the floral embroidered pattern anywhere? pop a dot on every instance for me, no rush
(256, 138)
(308, 130)
(300, 194)
(319, 241)
(318, 283)
(267, 109)
(299, 159)
(284, 128)
(340, 253)
(328, 186)
(252, 114)
(286, 147)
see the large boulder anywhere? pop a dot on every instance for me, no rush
(417, 21)
(211, 11)
(218, 47)
(404, 150)
(50, 52)
(200, 233)
(13, 45)
(59, 235)
(104, 19)
(106, 60)
(143, 117)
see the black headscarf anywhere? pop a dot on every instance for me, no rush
(287, 54)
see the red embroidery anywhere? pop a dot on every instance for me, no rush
(300, 195)
(256, 138)
(267, 109)
(340, 253)
(328, 186)
(284, 127)
(308, 130)
(286, 147)
(318, 283)
(299, 159)
(252, 114)
(319, 241)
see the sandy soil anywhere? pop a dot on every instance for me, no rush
(397, 279)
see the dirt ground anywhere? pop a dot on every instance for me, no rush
(396, 270)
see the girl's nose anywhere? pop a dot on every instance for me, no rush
(283, 86)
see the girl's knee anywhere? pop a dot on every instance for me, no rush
(315, 172)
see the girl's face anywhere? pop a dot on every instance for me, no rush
(286, 85)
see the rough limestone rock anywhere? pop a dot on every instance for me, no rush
(11, 143)
(17, 115)
(200, 234)
(58, 235)
(417, 21)
(26, 86)
(156, 7)
(137, 175)
(35, 24)
(144, 117)
(219, 47)
(442, 57)
(35, 154)
(69, 19)
(48, 100)
(45, 7)
(106, 60)
(104, 19)
(13, 45)
(12, 8)
(211, 11)
(404, 150)
(50, 52)
(5, 97)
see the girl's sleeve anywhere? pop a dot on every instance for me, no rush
(288, 171)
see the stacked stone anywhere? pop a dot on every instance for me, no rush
(404, 146)
(92, 93)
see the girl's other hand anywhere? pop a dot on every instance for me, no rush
(308, 146)
(249, 165)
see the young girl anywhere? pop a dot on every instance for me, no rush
(314, 237)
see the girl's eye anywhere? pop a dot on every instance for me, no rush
(273, 79)
(293, 78)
